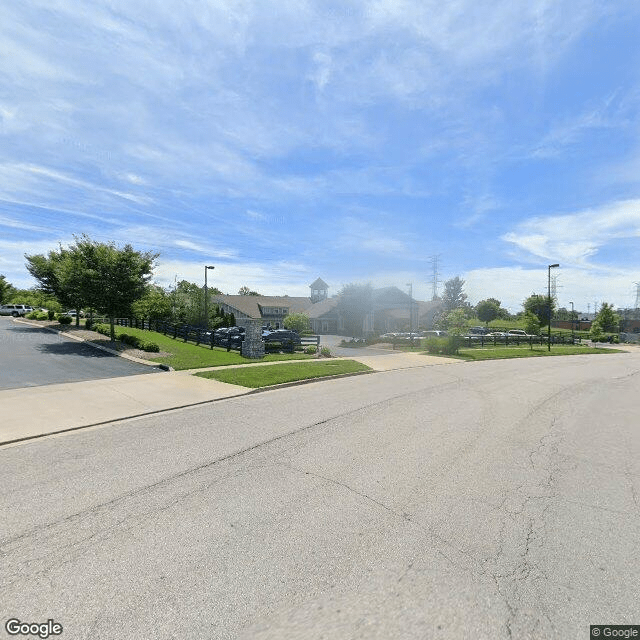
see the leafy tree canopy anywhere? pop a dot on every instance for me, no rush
(488, 310)
(94, 274)
(456, 321)
(596, 333)
(156, 304)
(607, 318)
(453, 296)
(531, 323)
(6, 289)
(245, 291)
(297, 322)
(541, 306)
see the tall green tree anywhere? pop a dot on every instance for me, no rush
(94, 274)
(453, 296)
(488, 310)
(60, 274)
(456, 321)
(531, 323)
(6, 289)
(542, 307)
(113, 277)
(355, 302)
(154, 305)
(608, 319)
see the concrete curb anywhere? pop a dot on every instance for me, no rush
(97, 346)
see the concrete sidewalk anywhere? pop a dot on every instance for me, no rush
(44, 410)
(54, 408)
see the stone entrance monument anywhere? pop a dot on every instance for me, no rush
(252, 345)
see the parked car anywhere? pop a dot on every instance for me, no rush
(283, 337)
(519, 333)
(229, 336)
(478, 331)
(435, 333)
(73, 313)
(15, 310)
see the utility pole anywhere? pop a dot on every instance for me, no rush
(551, 266)
(206, 296)
(410, 285)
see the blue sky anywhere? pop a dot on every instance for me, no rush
(282, 141)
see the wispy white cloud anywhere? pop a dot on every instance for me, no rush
(358, 235)
(267, 278)
(577, 237)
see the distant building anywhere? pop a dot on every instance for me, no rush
(391, 310)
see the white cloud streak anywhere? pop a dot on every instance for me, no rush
(575, 238)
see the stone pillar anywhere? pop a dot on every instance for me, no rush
(252, 345)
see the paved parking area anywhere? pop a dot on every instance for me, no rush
(32, 356)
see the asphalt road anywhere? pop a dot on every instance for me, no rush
(32, 356)
(485, 500)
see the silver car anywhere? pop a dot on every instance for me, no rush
(15, 310)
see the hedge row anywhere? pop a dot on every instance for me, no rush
(133, 341)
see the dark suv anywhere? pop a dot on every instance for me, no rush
(281, 338)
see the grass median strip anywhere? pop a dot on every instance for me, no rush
(256, 377)
(524, 351)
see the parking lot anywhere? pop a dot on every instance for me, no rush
(33, 356)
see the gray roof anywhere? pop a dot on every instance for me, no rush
(251, 305)
(322, 308)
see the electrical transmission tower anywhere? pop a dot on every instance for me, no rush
(435, 279)
(554, 288)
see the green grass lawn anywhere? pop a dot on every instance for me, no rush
(255, 377)
(524, 351)
(187, 355)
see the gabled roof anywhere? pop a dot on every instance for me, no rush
(319, 283)
(322, 308)
(251, 306)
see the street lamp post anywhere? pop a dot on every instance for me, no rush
(573, 339)
(551, 266)
(410, 285)
(206, 296)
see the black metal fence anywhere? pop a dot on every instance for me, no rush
(198, 335)
(494, 341)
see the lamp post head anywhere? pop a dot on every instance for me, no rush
(209, 267)
(551, 266)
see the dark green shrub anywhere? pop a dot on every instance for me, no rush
(132, 341)
(433, 345)
(451, 345)
(102, 328)
(150, 346)
(64, 319)
(51, 314)
(88, 324)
